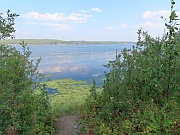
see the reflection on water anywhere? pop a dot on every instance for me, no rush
(52, 91)
(79, 62)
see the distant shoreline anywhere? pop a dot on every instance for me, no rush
(59, 42)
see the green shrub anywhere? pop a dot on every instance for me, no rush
(20, 107)
(141, 92)
(22, 111)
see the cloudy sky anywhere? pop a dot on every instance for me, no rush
(91, 20)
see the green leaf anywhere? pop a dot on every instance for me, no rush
(176, 28)
(176, 53)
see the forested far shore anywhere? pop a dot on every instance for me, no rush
(59, 42)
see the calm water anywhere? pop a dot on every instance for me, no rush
(79, 62)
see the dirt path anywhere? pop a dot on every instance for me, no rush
(68, 125)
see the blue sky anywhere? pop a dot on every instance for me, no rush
(91, 20)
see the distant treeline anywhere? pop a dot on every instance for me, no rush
(59, 42)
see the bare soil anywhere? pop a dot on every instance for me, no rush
(68, 125)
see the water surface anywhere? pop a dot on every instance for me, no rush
(76, 61)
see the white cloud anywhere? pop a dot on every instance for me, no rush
(58, 17)
(150, 14)
(154, 29)
(109, 28)
(96, 75)
(83, 11)
(124, 26)
(150, 25)
(157, 14)
(60, 27)
(63, 68)
(81, 15)
(154, 23)
(96, 9)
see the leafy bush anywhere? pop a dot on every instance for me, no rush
(141, 91)
(22, 111)
(6, 24)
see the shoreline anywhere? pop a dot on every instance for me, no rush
(59, 42)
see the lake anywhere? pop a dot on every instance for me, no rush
(76, 61)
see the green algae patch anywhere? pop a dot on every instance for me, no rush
(69, 94)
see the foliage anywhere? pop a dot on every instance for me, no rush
(22, 111)
(141, 92)
(20, 107)
(6, 25)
